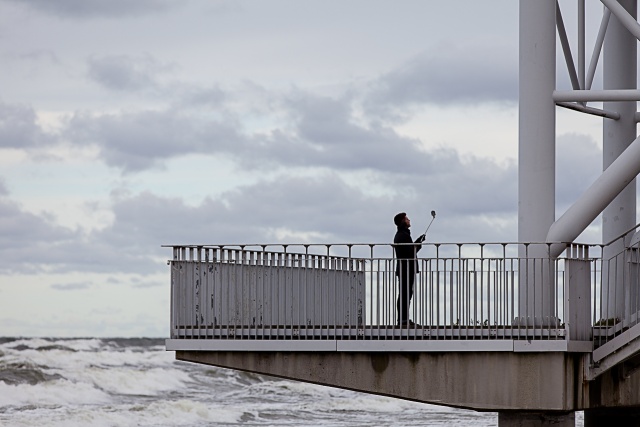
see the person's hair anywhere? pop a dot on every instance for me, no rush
(397, 220)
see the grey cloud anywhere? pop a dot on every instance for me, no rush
(27, 240)
(478, 187)
(97, 8)
(19, 128)
(138, 141)
(71, 286)
(135, 281)
(325, 134)
(476, 198)
(36, 55)
(144, 285)
(474, 203)
(20, 229)
(321, 132)
(197, 98)
(473, 186)
(125, 73)
(33, 243)
(326, 206)
(148, 220)
(450, 74)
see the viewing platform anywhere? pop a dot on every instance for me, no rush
(342, 297)
(557, 331)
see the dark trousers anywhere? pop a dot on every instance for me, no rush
(407, 279)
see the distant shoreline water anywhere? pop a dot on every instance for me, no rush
(134, 382)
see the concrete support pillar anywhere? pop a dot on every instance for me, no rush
(619, 72)
(536, 159)
(536, 419)
(606, 417)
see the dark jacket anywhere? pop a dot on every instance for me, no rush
(406, 254)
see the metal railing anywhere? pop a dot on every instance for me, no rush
(470, 291)
(350, 291)
(616, 294)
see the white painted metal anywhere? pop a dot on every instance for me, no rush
(589, 110)
(625, 338)
(625, 12)
(249, 345)
(456, 296)
(599, 195)
(620, 73)
(459, 296)
(566, 49)
(536, 164)
(525, 346)
(430, 346)
(614, 192)
(578, 299)
(613, 353)
(269, 295)
(581, 43)
(378, 346)
(596, 95)
(249, 292)
(536, 167)
(458, 284)
(597, 48)
(613, 331)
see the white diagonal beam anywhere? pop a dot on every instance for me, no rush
(597, 48)
(592, 202)
(623, 16)
(566, 49)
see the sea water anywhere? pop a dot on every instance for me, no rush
(135, 382)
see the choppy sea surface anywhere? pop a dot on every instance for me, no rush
(135, 382)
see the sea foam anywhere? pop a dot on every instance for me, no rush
(51, 393)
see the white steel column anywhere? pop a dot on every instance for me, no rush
(619, 72)
(536, 159)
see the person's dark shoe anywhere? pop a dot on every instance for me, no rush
(409, 324)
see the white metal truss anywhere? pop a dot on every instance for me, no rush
(614, 193)
(618, 176)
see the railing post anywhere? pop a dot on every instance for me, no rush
(578, 294)
(632, 280)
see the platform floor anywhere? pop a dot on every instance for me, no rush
(367, 332)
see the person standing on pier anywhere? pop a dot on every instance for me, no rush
(406, 265)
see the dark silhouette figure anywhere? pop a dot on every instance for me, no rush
(406, 266)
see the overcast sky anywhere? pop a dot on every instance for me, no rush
(126, 125)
